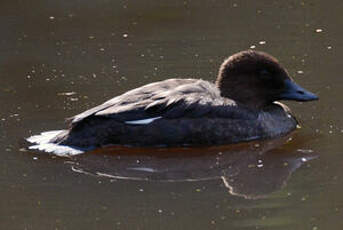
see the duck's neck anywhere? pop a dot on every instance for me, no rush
(245, 92)
(245, 98)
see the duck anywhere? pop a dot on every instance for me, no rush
(240, 106)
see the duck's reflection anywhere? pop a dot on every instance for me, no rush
(252, 170)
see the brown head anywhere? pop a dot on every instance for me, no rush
(256, 79)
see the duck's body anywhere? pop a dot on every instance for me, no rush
(239, 107)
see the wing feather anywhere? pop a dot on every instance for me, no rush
(169, 99)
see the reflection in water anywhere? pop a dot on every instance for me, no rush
(251, 170)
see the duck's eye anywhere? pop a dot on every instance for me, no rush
(265, 73)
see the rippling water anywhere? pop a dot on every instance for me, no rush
(60, 58)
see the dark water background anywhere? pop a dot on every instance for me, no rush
(99, 49)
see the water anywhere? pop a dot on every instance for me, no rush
(60, 58)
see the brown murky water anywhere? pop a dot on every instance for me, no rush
(60, 58)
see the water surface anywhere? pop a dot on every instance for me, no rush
(60, 58)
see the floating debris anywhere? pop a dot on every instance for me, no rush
(303, 159)
(66, 93)
(305, 150)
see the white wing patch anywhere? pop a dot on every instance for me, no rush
(143, 121)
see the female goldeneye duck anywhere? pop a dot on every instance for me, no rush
(241, 106)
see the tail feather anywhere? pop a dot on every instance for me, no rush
(44, 137)
(42, 143)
